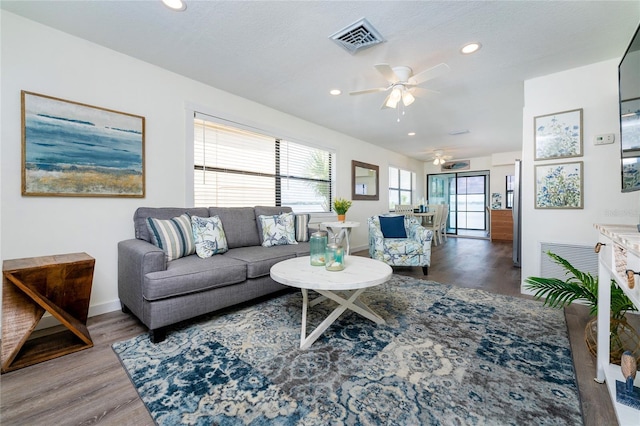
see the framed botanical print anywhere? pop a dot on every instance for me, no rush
(559, 186)
(558, 135)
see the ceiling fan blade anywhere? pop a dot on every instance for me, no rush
(362, 92)
(422, 91)
(387, 72)
(429, 74)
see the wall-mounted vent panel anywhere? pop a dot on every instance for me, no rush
(357, 36)
(583, 258)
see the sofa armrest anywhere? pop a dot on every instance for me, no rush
(136, 258)
(421, 234)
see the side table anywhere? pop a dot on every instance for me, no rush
(340, 230)
(58, 284)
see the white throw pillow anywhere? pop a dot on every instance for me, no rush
(209, 236)
(278, 230)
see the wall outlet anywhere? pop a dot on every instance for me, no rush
(604, 139)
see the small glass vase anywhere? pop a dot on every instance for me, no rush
(334, 257)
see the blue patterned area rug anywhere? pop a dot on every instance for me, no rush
(447, 356)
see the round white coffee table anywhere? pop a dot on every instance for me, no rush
(343, 287)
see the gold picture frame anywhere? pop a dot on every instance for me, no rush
(71, 149)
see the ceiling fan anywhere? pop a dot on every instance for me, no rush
(402, 82)
(439, 158)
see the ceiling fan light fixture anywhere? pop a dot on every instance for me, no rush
(335, 92)
(394, 98)
(407, 98)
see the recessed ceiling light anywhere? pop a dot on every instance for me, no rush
(411, 133)
(335, 92)
(470, 48)
(177, 5)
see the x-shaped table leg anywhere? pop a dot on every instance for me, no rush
(351, 303)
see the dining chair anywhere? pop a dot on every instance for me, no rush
(434, 226)
(443, 221)
(404, 209)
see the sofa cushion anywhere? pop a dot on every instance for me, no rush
(208, 235)
(143, 213)
(192, 274)
(278, 230)
(239, 225)
(260, 259)
(392, 227)
(174, 236)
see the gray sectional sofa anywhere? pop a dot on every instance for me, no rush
(161, 292)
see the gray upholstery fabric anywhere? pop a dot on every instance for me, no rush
(239, 224)
(192, 274)
(141, 214)
(268, 211)
(260, 259)
(161, 293)
(164, 312)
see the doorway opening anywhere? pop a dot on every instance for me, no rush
(467, 194)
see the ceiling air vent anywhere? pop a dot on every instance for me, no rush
(357, 36)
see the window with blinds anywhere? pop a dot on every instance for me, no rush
(235, 167)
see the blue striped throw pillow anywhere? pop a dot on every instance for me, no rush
(173, 236)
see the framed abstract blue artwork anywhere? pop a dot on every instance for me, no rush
(559, 186)
(76, 150)
(558, 135)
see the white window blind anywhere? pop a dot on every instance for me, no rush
(235, 167)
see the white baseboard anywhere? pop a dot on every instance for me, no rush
(48, 321)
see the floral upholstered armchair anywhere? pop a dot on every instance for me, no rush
(411, 248)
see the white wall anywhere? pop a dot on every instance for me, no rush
(42, 60)
(595, 89)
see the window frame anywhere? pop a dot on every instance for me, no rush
(399, 188)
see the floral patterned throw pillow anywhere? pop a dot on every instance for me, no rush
(209, 236)
(278, 230)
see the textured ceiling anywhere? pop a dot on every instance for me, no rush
(278, 53)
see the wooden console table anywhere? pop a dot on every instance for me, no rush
(60, 285)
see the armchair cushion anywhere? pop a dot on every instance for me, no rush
(414, 250)
(393, 227)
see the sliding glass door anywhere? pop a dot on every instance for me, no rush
(467, 194)
(441, 190)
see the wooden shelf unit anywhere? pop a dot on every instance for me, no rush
(620, 250)
(58, 284)
(501, 225)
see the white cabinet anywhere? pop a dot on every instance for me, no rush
(620, 252)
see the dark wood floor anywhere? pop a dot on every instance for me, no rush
(91, 386)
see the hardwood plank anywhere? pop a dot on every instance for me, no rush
(91, 387)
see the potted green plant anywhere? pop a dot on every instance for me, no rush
(341, 205)
(581, 286)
